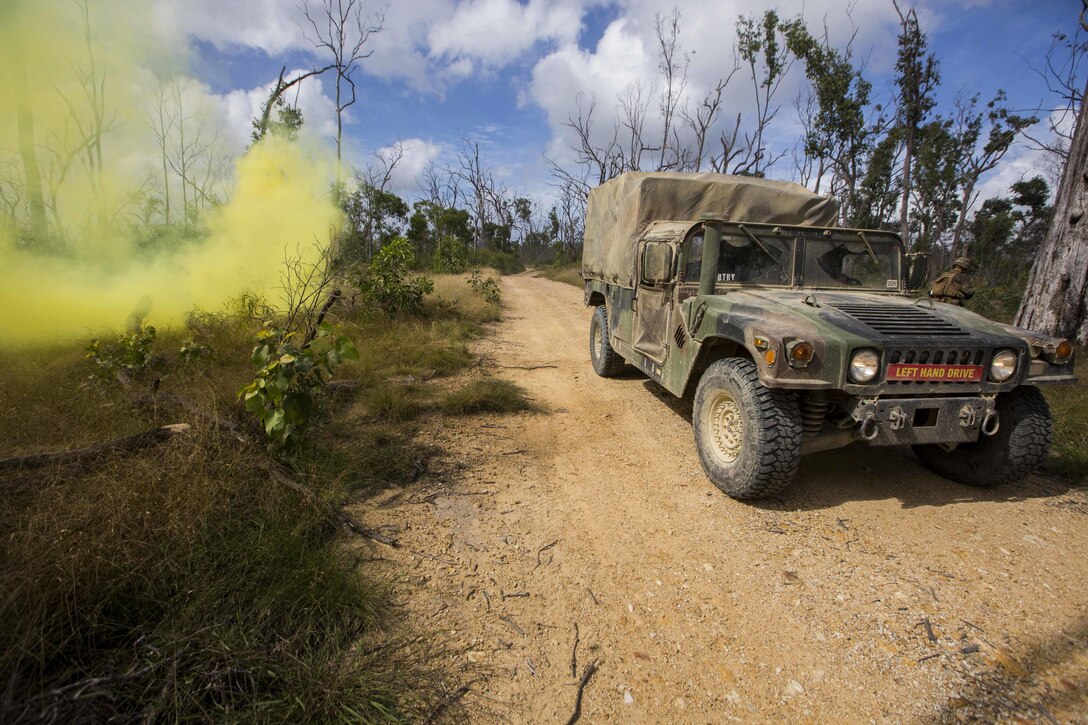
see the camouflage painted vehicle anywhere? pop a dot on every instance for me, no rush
(802, 337)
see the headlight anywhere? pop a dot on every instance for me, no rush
(1002, 366)
(864, 366)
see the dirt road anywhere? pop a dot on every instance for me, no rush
(872, 591)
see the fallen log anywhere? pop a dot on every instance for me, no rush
(147, 439)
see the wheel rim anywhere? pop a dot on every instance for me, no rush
(726, 428)
(598, 342)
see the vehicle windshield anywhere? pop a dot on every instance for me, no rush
(758, 254)
(848, 260)
(745, 259)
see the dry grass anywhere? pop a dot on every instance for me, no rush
(567, 273)
(180, 582)
(453, 291)
(487, 395)
(1069, 406)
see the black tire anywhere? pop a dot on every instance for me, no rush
(606, 361)
(1019, 446)
(760, 453)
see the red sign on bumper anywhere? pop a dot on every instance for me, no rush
(935, 373)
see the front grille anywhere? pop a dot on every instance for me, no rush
(926, 356)
(899, 321)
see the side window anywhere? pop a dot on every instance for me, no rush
(657, 263)
(693, 257)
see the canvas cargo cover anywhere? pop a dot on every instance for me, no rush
(620, 209)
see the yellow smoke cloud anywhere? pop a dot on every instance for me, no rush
(279, 201)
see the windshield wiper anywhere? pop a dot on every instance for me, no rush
(762, 246)
(870, 248)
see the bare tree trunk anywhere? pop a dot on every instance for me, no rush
(966, 200)
(25, 121)
(162, 131)
(1055, 301)
(904, 207)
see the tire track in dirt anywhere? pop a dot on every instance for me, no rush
(872, 590)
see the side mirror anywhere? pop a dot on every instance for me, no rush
(917, 269)
(656, 263)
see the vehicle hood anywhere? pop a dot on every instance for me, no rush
(872, 317)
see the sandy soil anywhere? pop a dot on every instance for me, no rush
(872, 591)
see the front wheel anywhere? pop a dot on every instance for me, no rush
(606, 361)
(748, 436)
(1019, 446)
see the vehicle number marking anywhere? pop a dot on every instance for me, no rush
(935, 373)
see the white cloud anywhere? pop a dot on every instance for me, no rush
(270, 25)
(415, 155)
(626, 59)
(428, 44)
(498, 31)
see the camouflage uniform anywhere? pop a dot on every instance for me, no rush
(951, 287)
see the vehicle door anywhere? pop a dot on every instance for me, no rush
(653, 299)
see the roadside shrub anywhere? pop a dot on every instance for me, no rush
(487, 287)
(388, 281)
(996, 303)
(251, 307)
(131, 355)
(450, 256)
(290, 379)
(502, 262)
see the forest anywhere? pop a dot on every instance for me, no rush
(895, 158)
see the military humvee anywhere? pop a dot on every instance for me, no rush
(795, 336)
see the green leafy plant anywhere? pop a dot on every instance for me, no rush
(251, 306)
(486, 287)
(450, 256)
(388, 281)
(132, 354)
(291, 378)
(192, 351)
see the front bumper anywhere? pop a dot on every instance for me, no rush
(913, 421)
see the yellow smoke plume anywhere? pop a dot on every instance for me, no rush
(80, 83)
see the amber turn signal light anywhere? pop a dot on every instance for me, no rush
(799, 353)
(1063, 352)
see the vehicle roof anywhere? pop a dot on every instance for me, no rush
(620, 210)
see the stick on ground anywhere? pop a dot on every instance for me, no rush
(340, 517)
(574, 653)
(590, 669)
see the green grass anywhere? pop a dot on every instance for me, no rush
(181, 579)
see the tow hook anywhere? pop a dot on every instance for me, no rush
(869, 430)
(897, 419)
(991, 423)
(968, 418)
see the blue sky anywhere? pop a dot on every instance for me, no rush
(506, 73)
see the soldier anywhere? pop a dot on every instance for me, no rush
(952, 287)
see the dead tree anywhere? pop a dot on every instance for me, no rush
(1054, 302)
(342, 28)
